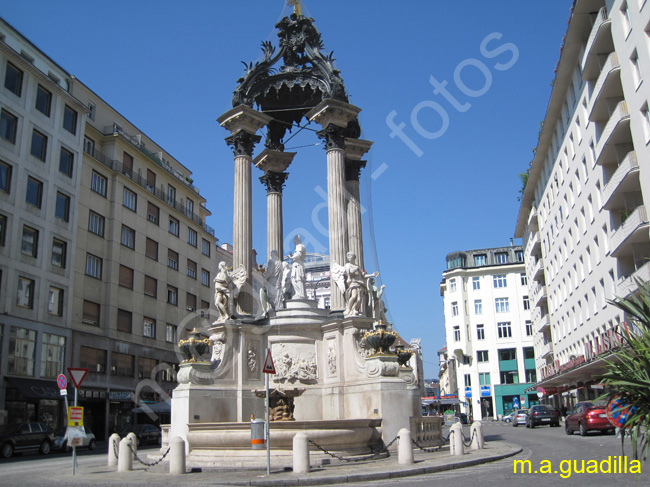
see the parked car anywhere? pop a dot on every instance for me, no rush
(588, 416)
(145, 433)
(542, 414)
(61, 442)
(22, 437)
(508, 418)
(519, 417)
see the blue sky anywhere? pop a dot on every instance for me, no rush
(170, 67)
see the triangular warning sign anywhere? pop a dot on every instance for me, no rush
(77, 376)
(268, 368)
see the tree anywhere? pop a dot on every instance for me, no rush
(628, 370)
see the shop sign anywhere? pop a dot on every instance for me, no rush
(555, 368)
(485, 391)
(606, 341)
(468, 392)
(119, 395)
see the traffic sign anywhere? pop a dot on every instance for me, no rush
(75, 416)
(77, 375)
(268, 368)
(62, 381)
(515, 402)
(618, 411)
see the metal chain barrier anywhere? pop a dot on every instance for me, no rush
(427, 450)
(145, 463)
(467, 443)
(356, 459)
(117, 455)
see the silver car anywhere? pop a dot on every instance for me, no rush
(61, 442)
(519, 417)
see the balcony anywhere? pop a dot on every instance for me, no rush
(545, 349)
(533, 244)
(624, 180)
(537, 271)
(633, 230)
(539, 294)
(616, 131)
(627, 285)
(599, 43)
(607, 86)
(532, 219)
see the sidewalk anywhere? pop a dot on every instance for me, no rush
(91, 472)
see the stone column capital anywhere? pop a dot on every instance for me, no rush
(273, 160)
(356, 148)
(242, 143)
(353, 169)
(274, 181)
(334, 112)
(243, 118)
(334, 137)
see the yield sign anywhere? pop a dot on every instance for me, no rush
(268, 368)
(77, 375)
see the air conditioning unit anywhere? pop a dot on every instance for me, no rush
(189, 308)
(89, 322)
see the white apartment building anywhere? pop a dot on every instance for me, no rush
(583, 217)
(488, 330)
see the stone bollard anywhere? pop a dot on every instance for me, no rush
(177, 456)
(134, 443)
(113, 442)
(125, 459)
(404, 448)
(476, 435)
(300, 453)
(456, 439)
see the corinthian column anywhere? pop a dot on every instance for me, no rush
(334, 116)
(243, 122)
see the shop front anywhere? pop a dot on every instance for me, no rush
(35, 400)
(94, 404)
(119, 412)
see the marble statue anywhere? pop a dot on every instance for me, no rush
(376, 306)
(273, 276)
(351, 280)
(227, 285)
(298, 269)
(286, 287)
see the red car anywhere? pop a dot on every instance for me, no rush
(588, 416)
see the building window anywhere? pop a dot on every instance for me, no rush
(129, 199)
(189, 208)
(29, 244)
(172, 259)
(149, 328)
(482, 356)
(190, 302)
(173, 226)
(454, 308)
(500, 281)
(146, 367)
(55, 302)
(625, 12)
(43, 101)
(480, 332)
(62, 210)
(452, 285)
(526, 303)
(150, 286)
(89, 146)
(122, 364)
(126, 277)
(531, 375)
(519, 255)
(172, 295)
(151, 181)
(504, 330)
(205, 247)
(93, 359)
(476, 283)
(34, 195)
(170, 333)
(66, 159)
(191, 268)
(524, 279)
(93, 266)
(5, 177)
(529, 353)
(22, 351)
(59, 252)
(8, 126)
(153, 212)
(52, 355)
(39, 145)
(192, 237)
(91, 313)
(205, 277)
(3, 229)
(124, 320)
(91, 110)
(480, 259)
(502, 305)
(128, 237)
(98, 183)
(70, 120)
(205, 308)
(96, 223)
(509, 377)
(171, 195)
(127, 164)
(501, 257)
(14, 79)
(25, 293)
(484, 378)
(529, 328)
(468, 380)
(478, 307)
(456, 333)
(152, 249)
